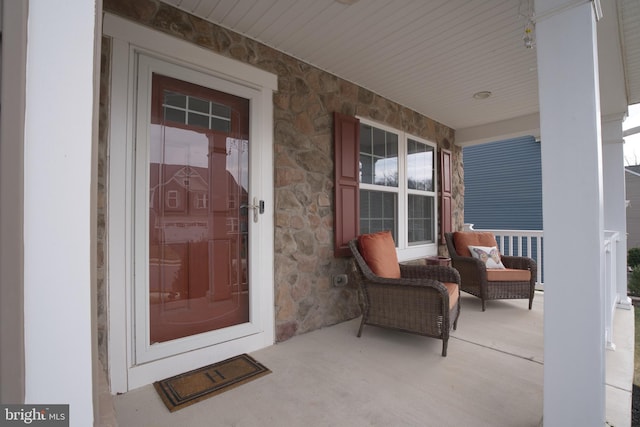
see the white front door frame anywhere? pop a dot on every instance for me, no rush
(128, 38)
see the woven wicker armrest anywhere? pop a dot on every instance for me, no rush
(407, 283)
(519, 263)
(468, 264)
(436, 272)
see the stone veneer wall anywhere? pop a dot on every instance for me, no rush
(303, 152)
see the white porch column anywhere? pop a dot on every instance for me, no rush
(58, 244)
(574, 372)
(615, 211)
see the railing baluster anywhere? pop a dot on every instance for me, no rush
(539, 258)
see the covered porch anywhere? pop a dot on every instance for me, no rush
(492, 376)
(58, 269)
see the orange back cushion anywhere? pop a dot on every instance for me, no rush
(379, 251)
(463, 239)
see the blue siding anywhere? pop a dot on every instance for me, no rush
(503, 185)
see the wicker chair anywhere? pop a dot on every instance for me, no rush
(473, 274)
(417, 303)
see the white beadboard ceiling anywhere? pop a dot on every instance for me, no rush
(429, 55)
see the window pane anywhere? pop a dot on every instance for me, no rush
(365, 139)
(377, 225)
(220, 110)
(200, 105)
(220, 125)
(420, 219)
(199, 120)
(386, 172)
(376, 206)
(378, 212)
(379, 142)
(175, 99)
(172, 115)
(419, 166)
(364, 205)
(392, 145)
(366, 169)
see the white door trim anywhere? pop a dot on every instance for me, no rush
(129, 38)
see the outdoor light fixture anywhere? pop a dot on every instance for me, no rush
(482, 94)
(529, 35)
(526, 11)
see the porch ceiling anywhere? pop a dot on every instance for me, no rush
(431, 56)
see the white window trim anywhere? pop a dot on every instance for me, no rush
(404, 251)
(127, 38)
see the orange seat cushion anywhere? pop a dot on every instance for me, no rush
(463, 239)
(508, 275)
(379, 251)
(452, 289)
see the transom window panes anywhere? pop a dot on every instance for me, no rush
(193, 111)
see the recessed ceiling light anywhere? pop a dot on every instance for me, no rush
(482, 94)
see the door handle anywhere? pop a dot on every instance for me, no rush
(257, 206)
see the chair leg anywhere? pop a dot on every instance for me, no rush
(483, 306)
(444, 347)
(361, 326)
(455, 322)
(530, 302)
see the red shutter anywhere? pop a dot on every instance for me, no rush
(446, 218)
(346, 133)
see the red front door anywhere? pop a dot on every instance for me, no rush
(198, 215)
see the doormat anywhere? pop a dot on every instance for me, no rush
(191, 387)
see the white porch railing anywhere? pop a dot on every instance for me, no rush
(530, 243)
(611, 243)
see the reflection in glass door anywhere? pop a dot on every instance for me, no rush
(198, 215)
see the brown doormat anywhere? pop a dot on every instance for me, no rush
(191, 387)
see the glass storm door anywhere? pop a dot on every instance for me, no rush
(196, 182)
(198, 231)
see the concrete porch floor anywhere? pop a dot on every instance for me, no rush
(492, 376)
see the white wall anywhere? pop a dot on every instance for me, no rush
(59, 135)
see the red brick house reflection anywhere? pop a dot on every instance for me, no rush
(197, 249)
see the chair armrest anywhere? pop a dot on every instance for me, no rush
(472, 270)
(401, 285)
(434, 272)
(519, 263)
